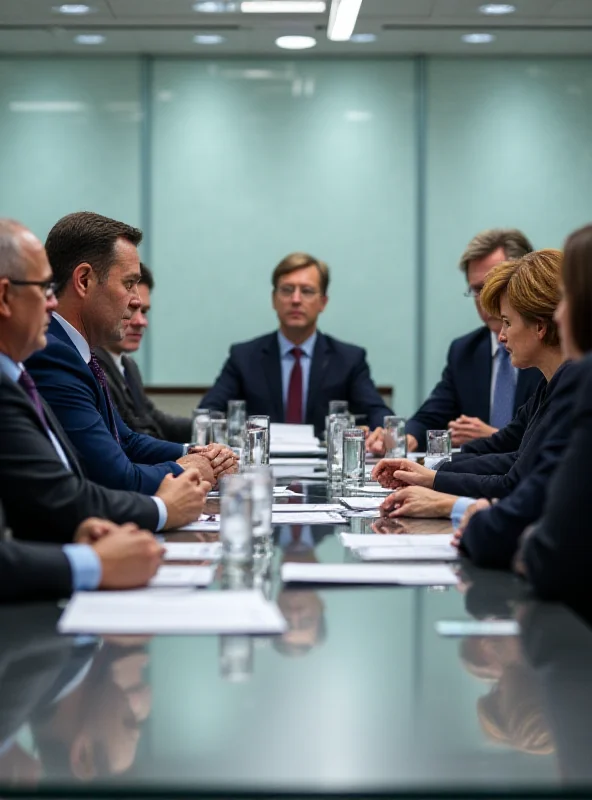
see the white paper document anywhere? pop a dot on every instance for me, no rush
(362, 503)
(278, 491)
(308, 518)
(289, 508)
(374, 488)
(356, 540)
(297, 462)
(281, 432)
(207, 522)
(192, 551)
(442, 552)
(402, 574)
(156, 612)
(183, 576)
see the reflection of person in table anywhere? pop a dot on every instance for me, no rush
(303, 609)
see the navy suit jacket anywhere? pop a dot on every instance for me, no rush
(491, 537)
(139, 463)
(465, 386)
(338, 371)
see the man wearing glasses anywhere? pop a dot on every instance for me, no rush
(479, 391)
(293, 373)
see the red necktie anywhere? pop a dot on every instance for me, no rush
(294, 407)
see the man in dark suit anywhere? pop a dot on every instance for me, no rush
(479, 391)
(125, 381)
(292, 374)
(96, 268)
(42, 485)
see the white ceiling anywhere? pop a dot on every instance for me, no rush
(538, 27)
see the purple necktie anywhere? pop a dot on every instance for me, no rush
(28, 384)
(97, 371)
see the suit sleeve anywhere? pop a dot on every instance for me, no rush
(45, 501)
(228, 386)
(558, 555)
(476, 485)
(33, 572)
(493, 464)
(507, 439)
(364, 396)
(440, 407)
(61, 378)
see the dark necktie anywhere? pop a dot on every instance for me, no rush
(294, 405)
(97, 371)
(503, 391)
(28, 384)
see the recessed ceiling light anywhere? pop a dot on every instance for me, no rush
(296, 42)
(208, 38)
(89, 38)
(342, 19)
(73, 8)
(478, 38)
(215, 7)
(283, 6)
(362, 38)
(497, 8)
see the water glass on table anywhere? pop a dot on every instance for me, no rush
(338, 407)
(262, 481)
(236, 514)
(201, 432)
(236, 415)
(439, 448)
(337, 424)
(395, 439)
(354, 457)
(220, 430)
(257, 441)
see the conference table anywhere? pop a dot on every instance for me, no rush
(470, 690)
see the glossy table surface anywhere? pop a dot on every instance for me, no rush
(361, 696)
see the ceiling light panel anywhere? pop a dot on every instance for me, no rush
(342, 19)
(283, 6)
(296, 42)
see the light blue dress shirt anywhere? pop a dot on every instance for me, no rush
(83, 348)
(459, 508)
(287, 361)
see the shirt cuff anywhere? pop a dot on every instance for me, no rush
(186, 449)
(85, 565)
(163, 514)
(459, 508)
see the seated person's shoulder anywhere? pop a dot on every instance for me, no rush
(469, 342)
(59, 357)
(252, 346)
(344, 349)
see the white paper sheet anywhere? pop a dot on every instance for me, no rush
(290, 508)
(278, 491)
(297, 449)
(183, 576)
(442, 552)
(374, 488)
(295, 473)
(207, 522)
(309, 518)
(297, 462)
(403, 574)
(362, 503)
(154, 612)
(192, 551)
(280, 432)
(356, 540)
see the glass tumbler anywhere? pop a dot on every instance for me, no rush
(236, 526)
(338, 407)
(439, 448)
(337, 424)
(261, 479)
(236, 416)
(395, 440)
(220, 431)
(354, 457)
(257, 441)
(201, 433)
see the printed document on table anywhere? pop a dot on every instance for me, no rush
(442, 552)
(308, 518)
(374, 488)
(173, 612)
(183, 576)
(207, 522)
(278, 491)
(401, 574)
(192, 551)
(356, 540)
(290, 508)
(362, 503)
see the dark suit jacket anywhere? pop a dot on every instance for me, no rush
(339, 371)
(135, 407)
(140, 463)
(43, 500)
(491, 537)
(465, 386)
(558, 553)
(544, 408)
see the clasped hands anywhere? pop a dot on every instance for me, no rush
(394, 473)
(413, 495)
(211, 461)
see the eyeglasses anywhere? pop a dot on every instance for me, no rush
(49, 287)
(473, 292)
(287, 290)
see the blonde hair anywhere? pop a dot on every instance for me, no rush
(513, 242)
(532, 285)
(300, 261)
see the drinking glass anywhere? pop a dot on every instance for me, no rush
(201, 433)
(338, 407)
(236, 527)
(261, 479)
(236, 416)
(220, 431)
(439, 448)
(257, 441)
(395, 440)
(354, 457)
(337, 424)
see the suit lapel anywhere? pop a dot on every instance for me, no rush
(482, 376)
(318, 371)
(60, 435)
(272, 369)
(130, 382)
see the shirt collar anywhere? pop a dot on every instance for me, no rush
(494, 343)
(286, 345)
(77, 338)
(10, 368)
(117, 359)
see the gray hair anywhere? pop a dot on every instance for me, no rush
(12, 262)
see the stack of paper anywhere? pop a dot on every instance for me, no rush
(296, 439)
(362, 503)
(308, 518)
(403, 574)
(192, 551)
(183, 576)
(401, 547)
(174, 612)
(207, 522)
